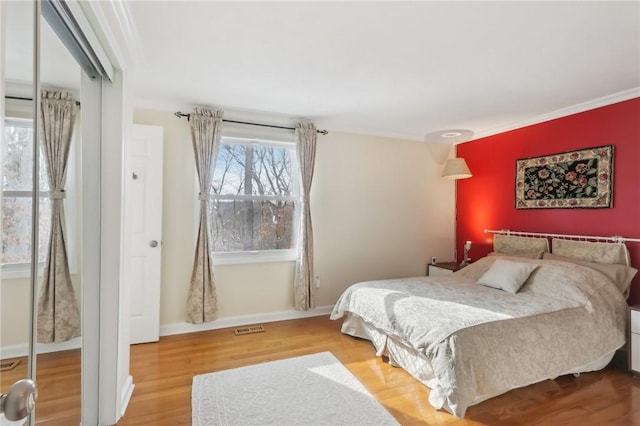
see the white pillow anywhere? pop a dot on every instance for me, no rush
(507, 275)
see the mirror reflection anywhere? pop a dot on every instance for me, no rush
(17, 183)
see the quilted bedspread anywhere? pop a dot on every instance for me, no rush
(481, 342)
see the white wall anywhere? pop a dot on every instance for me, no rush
(15, 315)
(379, 210)
(15, 302)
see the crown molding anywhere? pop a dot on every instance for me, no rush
(231, 113)
(355, 130)
(271, 118)
(166, 105)
(114, 25)
(563, 112)
(624, 95)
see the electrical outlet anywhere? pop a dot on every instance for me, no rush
(317, 281)
(433, 260)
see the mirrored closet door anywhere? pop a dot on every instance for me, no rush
(43, 212)
(17, 163)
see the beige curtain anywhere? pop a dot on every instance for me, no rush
(306, 135)
(202, 302)
(58, 314)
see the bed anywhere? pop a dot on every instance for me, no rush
(469, 342)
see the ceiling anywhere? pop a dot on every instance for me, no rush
(403, 69)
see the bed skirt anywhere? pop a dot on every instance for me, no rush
(418, 365)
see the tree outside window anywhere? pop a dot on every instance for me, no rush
(254, 196)
(17, 184)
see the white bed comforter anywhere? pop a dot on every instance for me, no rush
(481, 342)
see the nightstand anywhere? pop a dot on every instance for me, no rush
(445, 268)
(634, 339)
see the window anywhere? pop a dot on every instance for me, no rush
(255, 200)
(17, 184)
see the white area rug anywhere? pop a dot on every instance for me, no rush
(308, 390)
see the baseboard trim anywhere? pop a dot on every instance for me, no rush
(227, 322)
(16, 351)
(125, 395)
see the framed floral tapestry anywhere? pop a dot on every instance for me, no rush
(575, 179)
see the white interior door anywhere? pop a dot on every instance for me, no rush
(143, 231)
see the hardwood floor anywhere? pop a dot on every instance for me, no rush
(58, 379)
(163, 374)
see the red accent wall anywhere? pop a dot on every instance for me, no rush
(486, 201)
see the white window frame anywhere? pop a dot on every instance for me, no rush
(23, 269)
(260, 138)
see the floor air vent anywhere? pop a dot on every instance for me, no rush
(8, 365)
(249, 329)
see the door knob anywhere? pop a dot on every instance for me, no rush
(20, 400)
(153, 243)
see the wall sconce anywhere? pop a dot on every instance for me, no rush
(456, 168)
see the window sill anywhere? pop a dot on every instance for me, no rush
(253, 257)
(20, 270)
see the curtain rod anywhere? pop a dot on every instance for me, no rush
(615, 238)
(181, 115)
(19, 98)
